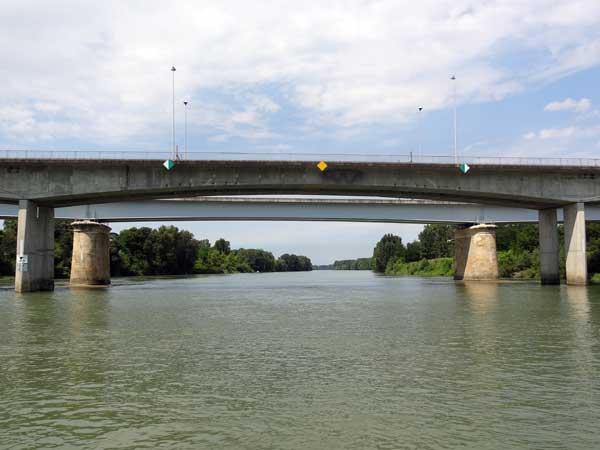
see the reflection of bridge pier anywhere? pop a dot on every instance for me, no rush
(43, 186)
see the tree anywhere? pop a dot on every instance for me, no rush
(222, 246)
(413, 251)
(293, 263)
(437, 241)
(517, 237)
(173, 251)
(136, 250)
(389, 248)
(258, 260)
(8, 247)
(63, 248)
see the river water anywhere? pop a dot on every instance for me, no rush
(321, 360)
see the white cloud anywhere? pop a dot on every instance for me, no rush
(571, 132)
(99, 71)
(568, 104)
(557, 133)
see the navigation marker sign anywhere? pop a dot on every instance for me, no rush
(322, 166)
(169, 164)
(464, 168)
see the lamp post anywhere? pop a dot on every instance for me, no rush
(173, 131)
(419, 152)
(185, 151)
(453, 78)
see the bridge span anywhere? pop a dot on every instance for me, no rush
(298, 209)
(39, 186)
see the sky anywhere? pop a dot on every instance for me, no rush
(303, 77)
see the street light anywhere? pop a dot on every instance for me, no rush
(419, 132)
(173, 134)
(453, 78)
(185, 151)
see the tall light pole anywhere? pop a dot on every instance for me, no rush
(453, 78)
(173, 135)
(419, 149)
(185, 151)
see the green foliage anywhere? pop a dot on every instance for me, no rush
(222, 246)
(414, 251)
(518, 237)
(595, 278)
(388, 249)
(436, 241)
(63, 248)
(215, 261)
(519, 264)
(257, 260)
(593, 247)
(354, 264)
(8, 247)
(163, 251)
(292, 263)
(144, 251)
(440, 267)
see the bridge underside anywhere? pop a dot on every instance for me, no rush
(298, 209)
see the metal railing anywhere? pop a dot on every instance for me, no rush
(126, 155)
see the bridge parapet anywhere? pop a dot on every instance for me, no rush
(402, 158)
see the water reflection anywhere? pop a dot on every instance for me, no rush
(482, 296)
(301, 361)
(89, 308)
(578, 301)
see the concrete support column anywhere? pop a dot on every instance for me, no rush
(90, 264)
(35, 248)
(549, 254)
(576, 260)
(475, 253)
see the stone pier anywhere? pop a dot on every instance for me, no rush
(549, 251)
(35, 248)
(576, 260)
(90, 264)
(475, 253)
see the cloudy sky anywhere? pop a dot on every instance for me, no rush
(303, 77)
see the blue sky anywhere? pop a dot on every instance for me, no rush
(294, 77)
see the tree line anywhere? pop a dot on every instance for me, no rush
(517, 249)
(163, 251)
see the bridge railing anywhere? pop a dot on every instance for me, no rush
(297, 156)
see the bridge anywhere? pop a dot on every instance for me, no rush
(42, 186)
(298, 209)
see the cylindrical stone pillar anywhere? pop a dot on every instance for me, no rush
(90, 263)
(475, 253)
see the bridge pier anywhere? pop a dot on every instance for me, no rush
(575, 251)
(90, 262)
(35, 248)
(475, 253)
(549, 248)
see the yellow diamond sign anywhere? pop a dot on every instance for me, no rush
(322, 166)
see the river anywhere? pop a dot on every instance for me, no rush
(320, 360)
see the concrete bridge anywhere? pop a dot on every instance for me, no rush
(39, 186)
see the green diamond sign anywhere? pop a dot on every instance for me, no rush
(464, 168)
(169, 164)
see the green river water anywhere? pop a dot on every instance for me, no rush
(321, 360)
